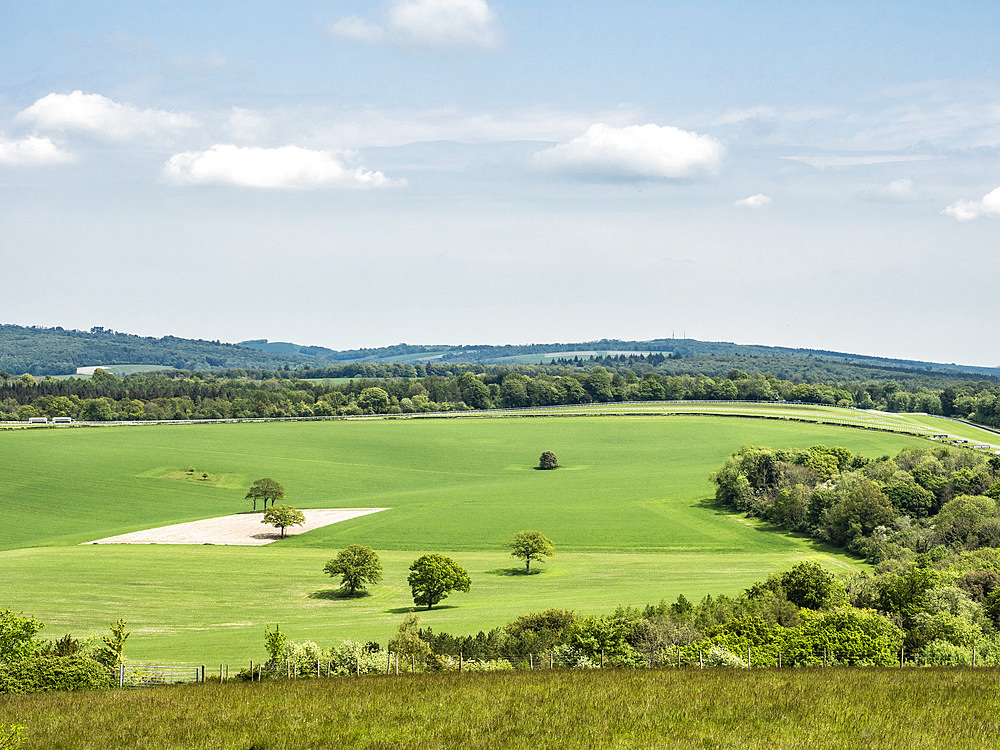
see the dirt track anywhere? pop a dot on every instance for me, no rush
(242, 529)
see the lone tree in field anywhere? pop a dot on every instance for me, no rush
(280, 516)
(530, 545)
(265, 489)
(357, 567)
(548, 460)
(433, 577)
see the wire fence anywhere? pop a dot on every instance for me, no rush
(394, 664)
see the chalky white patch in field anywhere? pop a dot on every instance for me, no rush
(242, 529)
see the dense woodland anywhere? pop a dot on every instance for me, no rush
(242, 394)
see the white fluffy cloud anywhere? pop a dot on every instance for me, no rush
(754, 201)
(969, 210)
(105, 117)
(636, 152)
(899, 190)
(288, 167)
(31, 151)
(425, 23)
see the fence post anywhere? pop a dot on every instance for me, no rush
(413, 663)
(260, 672)
(460, 662)
(121, 675)
(357, 665)
(748, 657)
(552, 660)
(701, 660)
(602, 658)
(779, 660)
(397, 665)
(221, 677)
(388, 661)
(900, 658)
(531, 662)
(202, 673)
(318, 675)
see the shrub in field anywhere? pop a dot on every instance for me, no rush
(548, 460)
(720, 656)
(301, 658)
(17, 633)
(45, 673)
(489, 665)
(941, 653)
(571, 657)
(350, 657)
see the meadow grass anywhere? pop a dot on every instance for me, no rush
(831, 708)
(630, 512)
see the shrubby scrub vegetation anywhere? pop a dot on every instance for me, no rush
(29, 664)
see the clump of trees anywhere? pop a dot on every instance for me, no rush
(885, 508)
(265, 489)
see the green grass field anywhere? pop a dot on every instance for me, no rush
(828, 709)
(630, 513)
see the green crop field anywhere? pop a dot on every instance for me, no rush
(630, 512)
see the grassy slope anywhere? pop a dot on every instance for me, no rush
(628, 514)
(759, 709)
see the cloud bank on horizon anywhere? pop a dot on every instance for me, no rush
(599, 146)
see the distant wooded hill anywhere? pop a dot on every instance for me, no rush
(57, 351)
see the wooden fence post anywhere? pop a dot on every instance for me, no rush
(460, 662)
(203, 673)
(413, 663)
(779, 660)
(748, 657)
(602, 658)
(318, 675)
(121, 675)
(397, 665)
(388, 661)
(701, 660)
(221, 677)
(531, 662)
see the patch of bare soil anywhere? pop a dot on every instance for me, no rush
(243, 529)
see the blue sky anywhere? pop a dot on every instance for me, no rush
(360, 174)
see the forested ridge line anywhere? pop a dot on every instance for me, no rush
(57, 351)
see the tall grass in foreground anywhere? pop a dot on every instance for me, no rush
(792, 708)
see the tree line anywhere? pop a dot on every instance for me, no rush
(237, 394)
